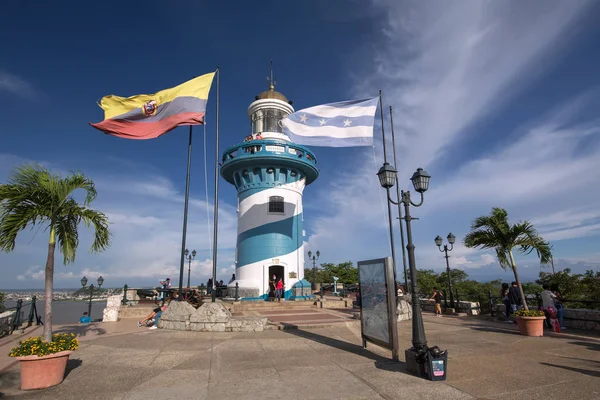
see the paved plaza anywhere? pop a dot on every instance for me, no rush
(487, 361)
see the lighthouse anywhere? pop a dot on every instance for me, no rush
(270, 173)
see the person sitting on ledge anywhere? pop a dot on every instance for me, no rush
(156, 313)
(85, 318)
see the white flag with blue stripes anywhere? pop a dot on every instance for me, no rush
(343, 124)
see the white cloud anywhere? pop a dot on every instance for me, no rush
(15, 85)
(446, 67)
(145, 214)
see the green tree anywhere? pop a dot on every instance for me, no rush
(2, 295)
(495, 232)
(34, 196)
(427, 279)
(346, 272)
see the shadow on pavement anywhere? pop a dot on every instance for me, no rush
(9, 381)
(72, 364)
(590, 345)
(588, 372)
(492, 329)
(81, 330)
(380, 362)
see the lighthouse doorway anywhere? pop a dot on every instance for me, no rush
(278, 272)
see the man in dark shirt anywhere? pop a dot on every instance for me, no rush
(437, 296)
(514, 298)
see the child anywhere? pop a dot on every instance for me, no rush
(85, 319)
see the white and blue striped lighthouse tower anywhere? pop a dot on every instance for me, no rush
(269, 173)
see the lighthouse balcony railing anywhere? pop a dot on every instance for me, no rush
(280, 148)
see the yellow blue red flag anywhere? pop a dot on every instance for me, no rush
(147, 116)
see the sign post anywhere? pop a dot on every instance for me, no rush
(378, 319)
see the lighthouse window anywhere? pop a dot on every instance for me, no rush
(271, 118)
(276, 204)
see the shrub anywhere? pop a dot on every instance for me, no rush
(35, 346)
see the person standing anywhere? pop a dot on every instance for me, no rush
(558, 304)
(514, 298)
(437, 296)
(505, 301)
(279, 290)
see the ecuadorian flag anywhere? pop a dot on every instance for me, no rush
(147, 116)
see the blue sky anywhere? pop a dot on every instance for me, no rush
(496, 100)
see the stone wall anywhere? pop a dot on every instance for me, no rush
(580, 318)
(6, 319)
(210, 317)
(575, 318)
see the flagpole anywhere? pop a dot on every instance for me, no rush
(216, 205)
(399, 206)
(185, 214)
(389, 203)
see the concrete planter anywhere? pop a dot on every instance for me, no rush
(43, 372)
(531, 326)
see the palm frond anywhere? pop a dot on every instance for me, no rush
(67, 235)
(99, 221)
(78, 181)
(528, 239)
(503, 260)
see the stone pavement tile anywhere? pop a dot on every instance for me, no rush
(170, 384)
(128, 358)
(259, 389)
(227, 375)
(172, 359)
(581, 389)
(87, 383)
(282, 363)
(486, 386)
(391, 381)
(199, 360)
(326, 383)
(288, 342)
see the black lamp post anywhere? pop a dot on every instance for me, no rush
(420, 181)
(189, 257)
(83, 284)
(438, 241)
(314, 261)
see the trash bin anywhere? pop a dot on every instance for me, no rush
(436, 365)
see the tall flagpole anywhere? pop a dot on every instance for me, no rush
(389, 204)
(216, 209)
(185, 214)
(399, 206)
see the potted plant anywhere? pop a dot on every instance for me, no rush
(530, 322)
(43, 364)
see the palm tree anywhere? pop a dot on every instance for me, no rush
(495, 232)
(34, 196)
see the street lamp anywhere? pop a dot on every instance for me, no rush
(420, 181)
(189, 257)
(84, 282)
(438, 241)
(314, 261)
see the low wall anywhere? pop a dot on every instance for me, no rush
(468, 307)
(6, 319)
(575, 318)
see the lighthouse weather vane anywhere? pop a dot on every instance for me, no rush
(270, 78)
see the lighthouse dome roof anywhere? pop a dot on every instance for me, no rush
(272, 94)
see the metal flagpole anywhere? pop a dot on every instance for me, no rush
(389, 205)
(216, 205)
(399, 206)
(185, 214)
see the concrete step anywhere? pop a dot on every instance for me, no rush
(269, 305)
